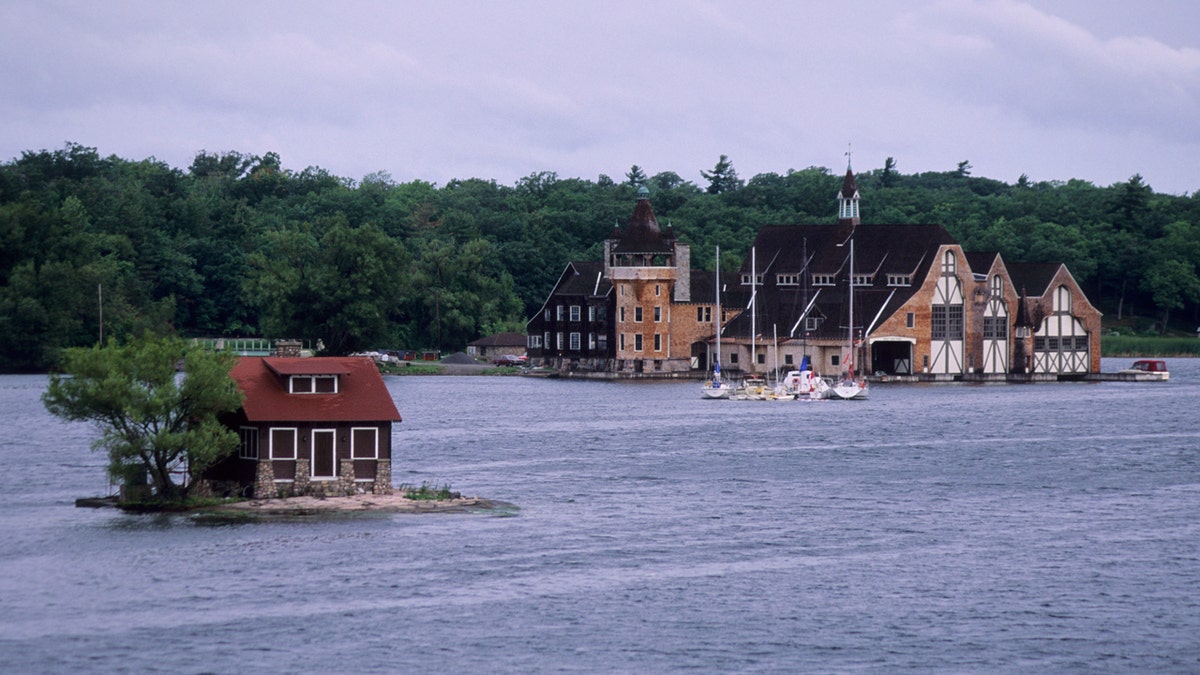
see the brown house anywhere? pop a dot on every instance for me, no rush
(309, 426)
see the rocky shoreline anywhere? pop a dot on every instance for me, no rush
(393, 503)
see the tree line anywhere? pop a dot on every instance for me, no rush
(236, 245)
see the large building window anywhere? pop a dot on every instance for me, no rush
(658, 342)
(574, 342)
(657, 314)
(576, 312)
(637, 314)
(637, 342)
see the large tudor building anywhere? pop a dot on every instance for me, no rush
(921, 306)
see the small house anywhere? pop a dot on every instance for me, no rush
(496, 345)
(309, 426)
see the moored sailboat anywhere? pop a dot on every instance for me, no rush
(850, 386)
(716, 387)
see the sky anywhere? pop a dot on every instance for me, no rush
(1097, 90)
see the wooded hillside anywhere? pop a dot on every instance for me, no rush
(237, 245)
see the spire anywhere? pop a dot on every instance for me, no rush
(848, 198)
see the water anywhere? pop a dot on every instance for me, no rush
(1048, 527)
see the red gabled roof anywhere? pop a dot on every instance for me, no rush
(362, 395)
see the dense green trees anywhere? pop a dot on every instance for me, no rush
(238, 245)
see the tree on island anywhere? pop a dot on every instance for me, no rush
(153, 420)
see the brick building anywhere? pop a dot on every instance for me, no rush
(921, 306)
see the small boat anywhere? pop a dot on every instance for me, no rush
(1148, 369)
(805, 384)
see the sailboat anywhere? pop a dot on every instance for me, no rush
(805, 384)
(717, 387)
(849, 386)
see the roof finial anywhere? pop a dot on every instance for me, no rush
(848, 153)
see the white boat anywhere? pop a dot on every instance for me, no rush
(716, 387)
(805, 384)
(850, 386)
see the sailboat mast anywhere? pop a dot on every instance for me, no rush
(753, 307)
(717, 318)
(850, 369)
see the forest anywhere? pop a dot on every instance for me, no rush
(236, 245)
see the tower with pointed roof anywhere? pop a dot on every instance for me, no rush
(848, 199)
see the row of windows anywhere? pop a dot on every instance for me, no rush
(639, 313)
(639, 342)
(313, 384)
(575, 312)
(657, 290)
(1077, 343)
(281, 442)
(573, 340)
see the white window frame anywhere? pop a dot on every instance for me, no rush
(576, 313)
(312, 381)
(787, 279)
(354, 450)
(637, 342)
(271, 450)
(573, 344)
(823, 280)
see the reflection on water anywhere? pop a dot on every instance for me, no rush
(1039, 527)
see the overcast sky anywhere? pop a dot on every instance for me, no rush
(1057, 89)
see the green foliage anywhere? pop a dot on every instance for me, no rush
(427, 492)
(152, 420)
(237, 245)
(1139, 346)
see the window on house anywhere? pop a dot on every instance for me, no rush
(621, 342)
(249, 446)
(788, 279)
(910, 320)
(558, 313)
(658, 342)
(657, 314)
(899, 279)
(954, 322)
(283, 443)
(758, 279)
(591, 313)
(862, 279)
(704, 314)
(787, 360)
(733, 357)
(622, 314)
(937, 323)
(637, 342)
(601, 342)
(364, 442)
(823, 280)
(314, 384)
(762, 358)
(535, 342)
(637, 314)
(575, 342)
(812, 323)
(558, 341)
(835, 360)
(949, 263)
(546, 340)
(592, 341)
(576, 312)
(657, 290)
(601, 313)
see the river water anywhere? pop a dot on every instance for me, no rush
(953, 528)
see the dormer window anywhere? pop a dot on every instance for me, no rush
(313, 384)
(899, 280)
(823, 279)
(862, 279)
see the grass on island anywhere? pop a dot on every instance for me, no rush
(429, 492)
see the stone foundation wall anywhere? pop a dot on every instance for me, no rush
(265, 486)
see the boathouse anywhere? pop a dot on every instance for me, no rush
(308, 426)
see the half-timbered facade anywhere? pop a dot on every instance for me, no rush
(921, 305)
(309, 426)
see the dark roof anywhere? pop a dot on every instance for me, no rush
(1032, 278)
(362, 395)
(500, 340)
(848, 185)
(879, 250)
(642, 234)
(583, 278)
(981, 261)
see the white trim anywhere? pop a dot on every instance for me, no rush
(312, 453)
(885, 338)
(271, 442)
(374, 450)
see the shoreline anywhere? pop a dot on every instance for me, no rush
(307, 505)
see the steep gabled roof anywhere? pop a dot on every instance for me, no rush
(1032, 278)
(362, 395)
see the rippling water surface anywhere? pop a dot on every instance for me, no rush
(1049, 527)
